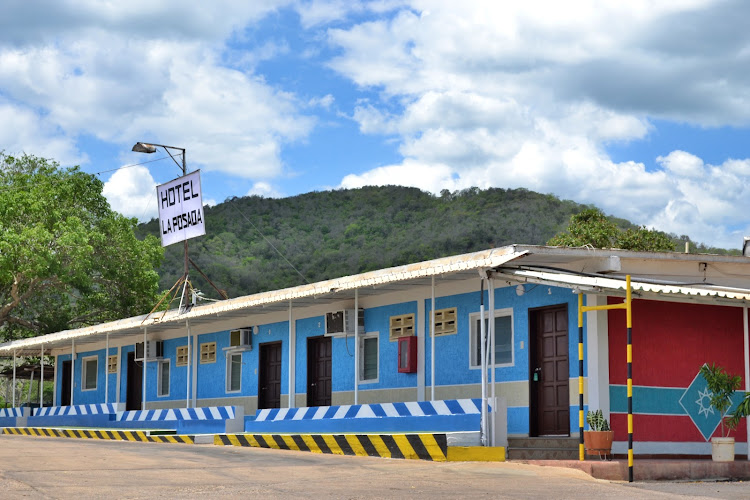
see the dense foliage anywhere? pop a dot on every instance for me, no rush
(592, 228)
(66, 259)
(337, 233)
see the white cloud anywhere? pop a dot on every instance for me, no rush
(264, 189)
(530, 95)
(115, 80)
(132, 192)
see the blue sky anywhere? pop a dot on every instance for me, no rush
(641, 108)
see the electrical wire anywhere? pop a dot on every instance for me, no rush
(269, 242)
(137, 164)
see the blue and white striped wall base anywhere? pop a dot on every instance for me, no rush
(453, 415)
(12, 417)
(92, 415)
(184, 420)
(194, 420)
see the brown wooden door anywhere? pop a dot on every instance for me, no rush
(269, 381)
(549, 375)
(319, 371)
(134, 390)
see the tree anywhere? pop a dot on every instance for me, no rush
(592, 227)
(66, 259)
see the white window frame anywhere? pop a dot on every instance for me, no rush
(361, 353)
(474, 337)
(84, 372)
(231, 355)
(159, 378)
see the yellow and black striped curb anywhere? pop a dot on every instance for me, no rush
(409, 446)
(114, 435)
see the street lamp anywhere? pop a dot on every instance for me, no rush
(144, 147)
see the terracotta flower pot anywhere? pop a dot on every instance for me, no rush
(598, 443)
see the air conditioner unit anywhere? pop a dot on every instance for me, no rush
(154, 350)
(241, 337)
(340, 323)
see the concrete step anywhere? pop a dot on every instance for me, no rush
(543, 448)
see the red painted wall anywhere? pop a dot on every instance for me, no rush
(671, 341)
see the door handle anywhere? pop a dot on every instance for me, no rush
(312, 385)
(537, 375)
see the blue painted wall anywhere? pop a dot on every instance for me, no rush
(452, 353)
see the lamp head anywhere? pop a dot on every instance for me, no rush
(142, 147)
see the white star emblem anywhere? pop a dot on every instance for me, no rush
(705, 395)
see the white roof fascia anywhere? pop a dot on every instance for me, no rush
(485, 259)
(602, 284)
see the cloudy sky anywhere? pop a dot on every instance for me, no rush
(641, 107)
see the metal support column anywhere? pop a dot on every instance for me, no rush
(432, 342)
(188, 365)
(581, 452)
(145, 341)
(106, 369)
(41, 379)
(747, 367)
(14, 379)
(72, 371)
(628, 306)
(356, 344)
(483, 363)
(491, 324)
(293, 355)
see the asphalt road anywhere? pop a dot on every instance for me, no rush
(77, 468)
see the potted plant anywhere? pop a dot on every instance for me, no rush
(598, 440)
(722, 386)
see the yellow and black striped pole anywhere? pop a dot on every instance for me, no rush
(581, 309)
(629, 314)
(628, 306)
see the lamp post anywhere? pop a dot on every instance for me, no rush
(143, 147)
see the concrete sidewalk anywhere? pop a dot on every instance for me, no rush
(654, 469)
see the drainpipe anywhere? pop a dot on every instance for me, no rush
(119, 373)
(41, 379)
(356, 344)
(292, 358)
(14, 379)
(491, 324)
(106, 369)
(483, 363)
(194, 387)
(432, 342)
(145, 372)
(187, 366)
(72, 371)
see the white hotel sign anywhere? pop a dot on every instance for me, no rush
(181, 209)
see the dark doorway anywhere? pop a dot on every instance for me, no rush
(549, 411)
(67, 366)
(319, 371)
(134, 396)
(269, 380)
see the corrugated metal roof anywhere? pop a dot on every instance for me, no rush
(485, 259)
(604, 284)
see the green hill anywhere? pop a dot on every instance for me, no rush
(337, 233)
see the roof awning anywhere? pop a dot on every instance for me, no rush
(458, 267)
(617, 286)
